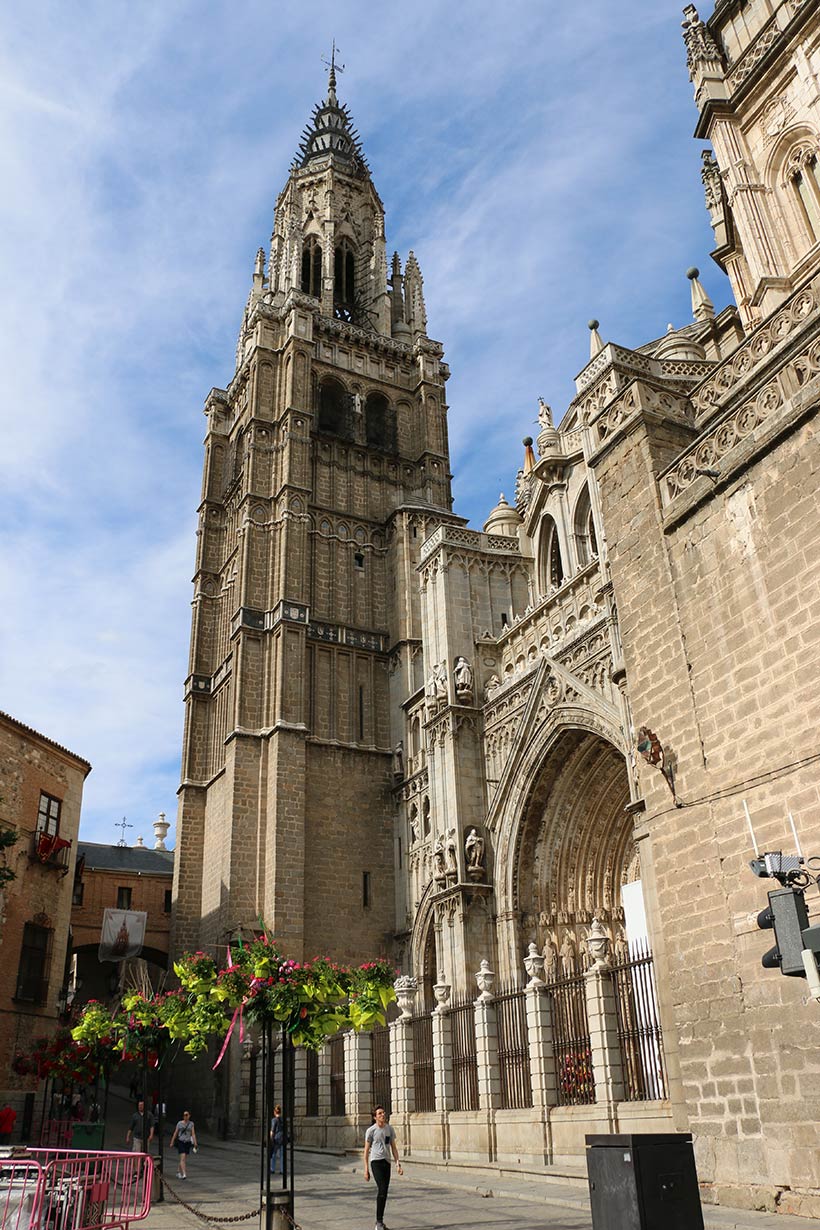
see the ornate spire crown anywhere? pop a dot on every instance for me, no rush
(331, 132)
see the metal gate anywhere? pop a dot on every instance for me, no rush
(465, 1064)
(570, 1041)
(513, 1050)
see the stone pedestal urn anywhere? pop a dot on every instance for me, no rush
(406, 987)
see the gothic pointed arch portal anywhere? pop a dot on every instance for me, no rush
(574, 849)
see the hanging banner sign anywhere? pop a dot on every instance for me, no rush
(123, 934)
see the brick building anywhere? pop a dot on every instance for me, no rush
(125, 878)
(41, 787)
(528, 747)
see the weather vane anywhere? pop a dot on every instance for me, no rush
(123, 824)
(331, 63)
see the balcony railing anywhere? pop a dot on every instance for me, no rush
(51, 850)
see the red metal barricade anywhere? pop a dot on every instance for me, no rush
(71, 1189)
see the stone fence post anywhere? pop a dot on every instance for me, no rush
(607, 1065)
(486, 1040)
(442, 1048)
(402, 1079)
(300, 1082)
(539, 1033)
(358, 1075)
(323, 1082)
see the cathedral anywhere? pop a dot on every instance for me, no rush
(524, 760)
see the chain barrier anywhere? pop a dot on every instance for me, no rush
(209, 1218)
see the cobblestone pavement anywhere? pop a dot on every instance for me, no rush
(332, 1195)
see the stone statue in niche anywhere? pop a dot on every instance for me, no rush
(414, 827)
(452, 857)
(440, 680)
(474, 855)
(398, 760)
(439, 868)
(569, 956)
(492, 685)
(463, 679)
(552, 971)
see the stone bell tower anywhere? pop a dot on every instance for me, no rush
(326, 466)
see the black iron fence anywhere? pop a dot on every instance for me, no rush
(639, 1029)
(465, 1064)
(380, 1066)
(424, 1081)
(570, 1041)
(337, 1075)
(513, 1050)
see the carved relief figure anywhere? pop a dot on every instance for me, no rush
(463, 679)
(398, 759)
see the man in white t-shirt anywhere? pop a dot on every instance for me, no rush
(379, 1143)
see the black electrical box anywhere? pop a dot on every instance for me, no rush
(643, 1182)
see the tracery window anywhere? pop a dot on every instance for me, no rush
(379, 423)
(586, 542)
(802, 175)
(551, 568)
(312, 268)
(344, 282)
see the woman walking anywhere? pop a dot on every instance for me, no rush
(277, 1140)
(184, 1137)
(379, 1143)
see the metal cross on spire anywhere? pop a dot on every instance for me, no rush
(123, 824)
(333, 66)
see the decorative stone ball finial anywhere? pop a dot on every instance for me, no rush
(527, 441)
(485, 979)
(593, 324)
(692, 272)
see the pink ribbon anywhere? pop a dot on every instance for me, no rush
(237, 1013)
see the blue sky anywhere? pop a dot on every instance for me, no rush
(538, 159)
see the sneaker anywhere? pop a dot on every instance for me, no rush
(179, 1174)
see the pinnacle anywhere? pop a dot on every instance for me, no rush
(331, 131)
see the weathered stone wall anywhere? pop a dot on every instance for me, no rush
(721, 631)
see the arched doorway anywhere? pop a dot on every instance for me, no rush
(573, 849)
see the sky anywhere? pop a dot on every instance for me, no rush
(537, 157)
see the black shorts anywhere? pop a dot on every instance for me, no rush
(183, 1146)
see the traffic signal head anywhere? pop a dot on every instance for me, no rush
(788, 917)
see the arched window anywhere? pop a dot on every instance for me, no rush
(312, 268)
(584, 526)
(332, 408)
(344, 282)
(801, 174)
(379, 423)
(550, 566)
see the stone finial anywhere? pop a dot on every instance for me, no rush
(160, 827)
(442, 993)
(702, 306)
(534, 965)
(701, 47)
(598, 943)
(596, 345)
(259, 266)
(406, 987)
(139, 844)
(529, 455)
(485, 979)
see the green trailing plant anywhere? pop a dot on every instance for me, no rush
(8, 838)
